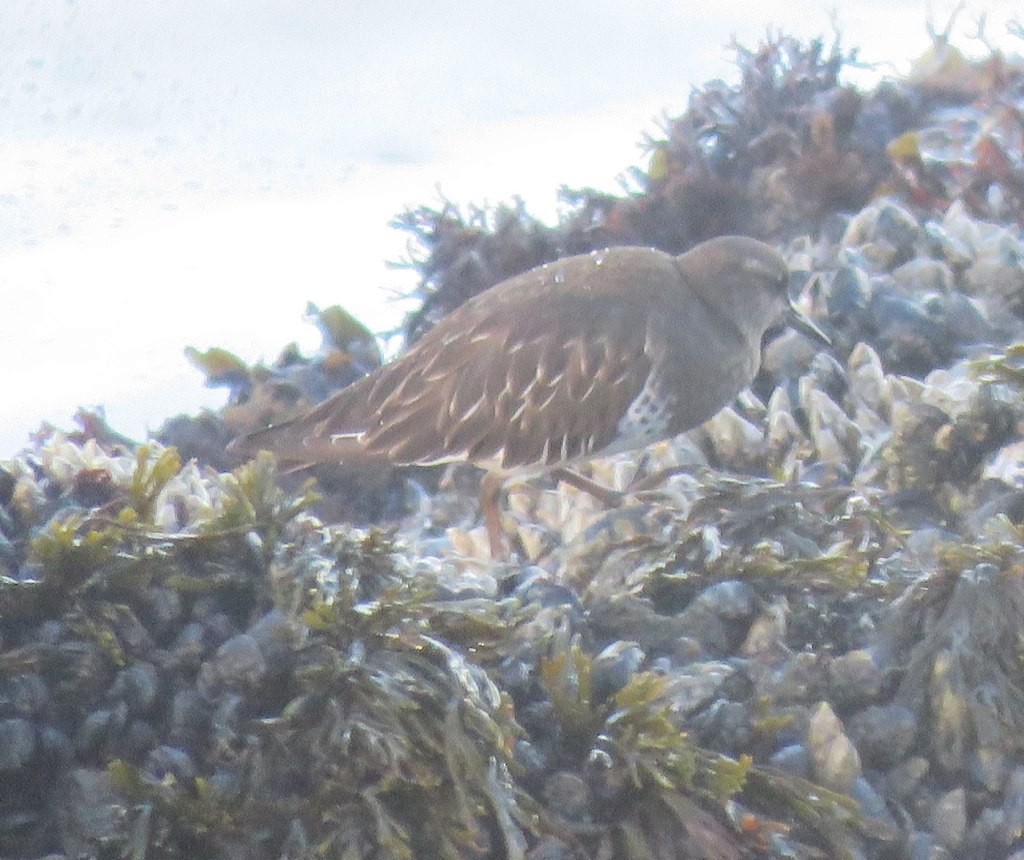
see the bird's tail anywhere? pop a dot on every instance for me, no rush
(293, 448)
(332, 432)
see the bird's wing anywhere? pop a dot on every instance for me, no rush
(513, 391)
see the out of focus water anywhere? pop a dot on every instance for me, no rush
(192, 173)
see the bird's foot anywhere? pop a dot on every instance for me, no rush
(654, 480)
(605, 495)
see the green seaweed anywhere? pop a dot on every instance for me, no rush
(198, 816)
(648, 763)
(667, 793)
(151, 476)
(566, 679)
(220, 366)
(86, 558)
(418, 764)
(833, 817)
(69, 552)
(253, 501)
(1006, 367)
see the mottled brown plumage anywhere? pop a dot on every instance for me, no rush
(588, 355)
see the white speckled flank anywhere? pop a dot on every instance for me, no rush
(645, 422)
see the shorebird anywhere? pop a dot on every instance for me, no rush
(579, 358)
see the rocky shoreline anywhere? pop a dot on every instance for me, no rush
(799, 636)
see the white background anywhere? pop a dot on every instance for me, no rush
(192, 172)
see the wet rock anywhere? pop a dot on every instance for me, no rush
(138, 687)
(855, 679)
(924, 275)
(189, 718)
(767, 633)
(276, 635)
(568, 794)
(550, 849)
(719, 615)
(922, 847)
(948, 820)
(904, 781)
(885, 233)
(165, 761)
(872, 805)
(724, 725)
(238, 665)
(100, 728)
(834, 757)
(17, 744)
(25, 694)
(883, 734)
(614, 667)
(91, 816)
(794, 759)
(848, 298)
(908, 339)
(164, 611)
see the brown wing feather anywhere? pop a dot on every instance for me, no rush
(546, 392)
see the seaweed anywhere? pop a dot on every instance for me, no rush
(390, 743)
(121, 549)
(661, 793)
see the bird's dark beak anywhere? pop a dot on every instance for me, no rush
(796, 318)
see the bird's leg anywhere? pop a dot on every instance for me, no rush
(656, 479)
(605, 495)
(491, 487)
